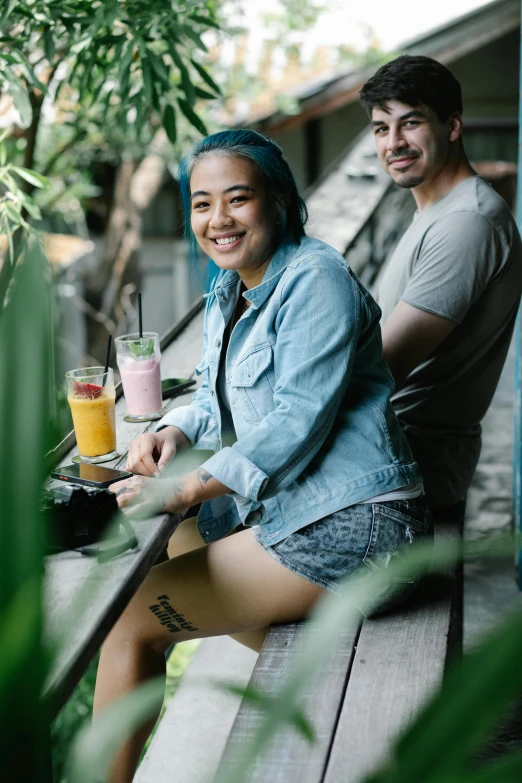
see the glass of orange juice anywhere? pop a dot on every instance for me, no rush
(90, 393)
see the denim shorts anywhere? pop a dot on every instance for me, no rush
(364, 535)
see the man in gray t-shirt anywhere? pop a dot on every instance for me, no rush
(450, 292)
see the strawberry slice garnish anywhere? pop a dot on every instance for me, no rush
(87, 390)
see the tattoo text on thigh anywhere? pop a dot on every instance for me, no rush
(168, 617)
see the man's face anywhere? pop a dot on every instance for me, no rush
(413, 145)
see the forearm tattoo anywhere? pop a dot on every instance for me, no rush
(203, 477)
(172, 494)
(173, 621)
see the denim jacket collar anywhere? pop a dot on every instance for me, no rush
(260, 293)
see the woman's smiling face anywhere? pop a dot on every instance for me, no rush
(232, 216)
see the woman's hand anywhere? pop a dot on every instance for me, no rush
(142, 497)
(149, 454)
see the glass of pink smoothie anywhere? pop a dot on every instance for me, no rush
(139, 364)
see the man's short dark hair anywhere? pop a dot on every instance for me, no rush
(414, 80)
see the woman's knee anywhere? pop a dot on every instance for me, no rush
(185, 539)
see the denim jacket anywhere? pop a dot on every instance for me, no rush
(313, 429)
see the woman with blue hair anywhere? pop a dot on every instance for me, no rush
(311, 478)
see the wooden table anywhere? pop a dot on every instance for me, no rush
(83, 599)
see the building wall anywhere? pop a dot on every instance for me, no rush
(338, 130)
(489, 79)
(294, 146)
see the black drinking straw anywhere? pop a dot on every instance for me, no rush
(140, 317)
(105, 372)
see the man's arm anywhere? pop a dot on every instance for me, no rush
(409, 337)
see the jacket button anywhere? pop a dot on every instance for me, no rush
(255, 516)
(218, 343)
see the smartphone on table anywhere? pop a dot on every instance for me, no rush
(171, 387)
(90, 475)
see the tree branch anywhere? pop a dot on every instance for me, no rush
(57, 155)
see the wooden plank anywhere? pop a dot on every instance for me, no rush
(86, 598)
(192, 734)
(83, 600)
(399, 663)
(290, 757)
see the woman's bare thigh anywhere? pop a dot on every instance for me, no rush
(226, 587)
(185, 538)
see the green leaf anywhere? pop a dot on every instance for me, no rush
(11, 5)
(467, 699)
(138, 122)
(205, 20)
(33, 209)
(125, 69)
(206, 77)
(142, 350)
(192, 117)
(208, 96)
(32, 177)
(193, 35)
(49, 47)
(3, 154)
(148, 87)
(20, 98)
(169, 123)
(81, 44)
(13, 215)
(25, 69)
(186, 82)
(95, 746)
(19, 625)
(255, 696)
(25, 341)
(9, 235)
(158, 66)
(507, 769)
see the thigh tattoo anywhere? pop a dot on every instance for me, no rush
(173, 621)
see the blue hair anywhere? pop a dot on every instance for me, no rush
(273, 167)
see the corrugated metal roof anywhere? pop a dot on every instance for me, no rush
(445, 43)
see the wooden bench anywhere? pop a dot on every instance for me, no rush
(375, 679)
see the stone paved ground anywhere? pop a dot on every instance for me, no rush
(490, 589)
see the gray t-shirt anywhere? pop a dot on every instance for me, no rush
(460, 259)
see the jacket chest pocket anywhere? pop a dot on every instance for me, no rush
(252, 386)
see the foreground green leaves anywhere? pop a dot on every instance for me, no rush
(441, 744)
(24, 353)
(94, 748)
